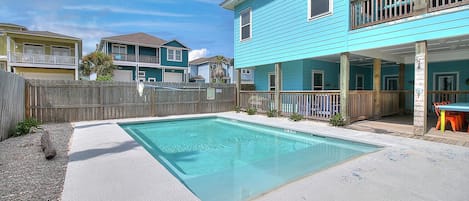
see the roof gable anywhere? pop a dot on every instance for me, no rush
(175, 43)
(138, 38)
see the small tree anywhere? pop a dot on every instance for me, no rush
(218, 73)
(99, 63)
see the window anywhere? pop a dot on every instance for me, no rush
(445, 81)
(359, 82)
(3, 66)
(151, 79)
(319, 8)
(245, 24)
(246, 71)
(141, 75)
(391, 82)
(318, 80)
(119, 49)
(271, 82)
(33, 49)
(174, 55)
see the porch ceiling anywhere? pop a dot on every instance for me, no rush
(446, 49)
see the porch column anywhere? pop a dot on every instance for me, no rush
(420, 88)
(376, 88)
(8, 54)
(238, 87)
(137, 65)
(278, 75)
(76, 61)
(401, 88)
(344, 86)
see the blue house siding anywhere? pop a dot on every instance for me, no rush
(147, 51)
(175, 44)
(152, 72)
(165, 62)
(331, 74)
(427, 27)
(281, 32)
(261, 79)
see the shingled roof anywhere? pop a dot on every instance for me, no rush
(138, 38)
(207, 60)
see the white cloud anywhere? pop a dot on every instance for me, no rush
(103, 8)
(195, 54)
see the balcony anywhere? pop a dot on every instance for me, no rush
(132, 58)
(365, 13)
(42, 59)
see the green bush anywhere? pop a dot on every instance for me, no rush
(237, 108)
(251, 111)
(23, 127)
(337, 120)
(296, 117)
(104, 78)
(272, 113)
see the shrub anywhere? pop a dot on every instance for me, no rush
(104, 78)
(296, 117)
(251, 111)
(23, 127)
(237, 108)
(272, 113)
(337, 120)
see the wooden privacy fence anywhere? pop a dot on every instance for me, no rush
(11, 103)
(69, 101)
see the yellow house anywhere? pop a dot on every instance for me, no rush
(38, 54)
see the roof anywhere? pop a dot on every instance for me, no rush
(139, 38)
(23, 30)
(16, 26)
(207, 60)
(231, 4)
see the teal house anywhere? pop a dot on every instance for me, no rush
(146, 58)
(361, 58)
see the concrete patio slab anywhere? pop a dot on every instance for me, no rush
(107, 164)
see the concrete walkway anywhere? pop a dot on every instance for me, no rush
(107, 164)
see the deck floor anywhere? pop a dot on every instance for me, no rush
(401, 125)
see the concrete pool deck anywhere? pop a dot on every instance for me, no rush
(107, 164)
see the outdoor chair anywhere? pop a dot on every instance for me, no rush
(460, 115)
(448, 118)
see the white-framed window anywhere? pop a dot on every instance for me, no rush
(317, 80)
(62, 55)
(271, 81)
(3, 66)
(391, 82)
(141, 74)
(359, 82)
(141, 79)
(119, 49)
(33, 49)
(151, 79)
(319, 8)
(174, 55)
(245, 24)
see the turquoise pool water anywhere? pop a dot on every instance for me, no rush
(223, 159)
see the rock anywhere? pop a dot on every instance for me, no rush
(47, 147)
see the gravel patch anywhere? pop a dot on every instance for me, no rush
(26, 174)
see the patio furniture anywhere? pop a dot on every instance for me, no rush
(453, 119)
(453, 107)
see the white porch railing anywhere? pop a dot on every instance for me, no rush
(123, 57)
(148, 59)
(42, 59)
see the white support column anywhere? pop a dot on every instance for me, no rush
(162, 74)
(8, 54)
(137, 66)
(76, 61)
(420, 88)
(238, 86)
(344, 86)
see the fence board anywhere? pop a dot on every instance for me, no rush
(68, 101)
(12, 107)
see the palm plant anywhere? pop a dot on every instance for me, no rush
(218, 73)
(99, 63)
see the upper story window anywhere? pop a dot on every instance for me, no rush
(245, 24)
(119, 49)
(174, 55)
(33, 49)
(319, 8)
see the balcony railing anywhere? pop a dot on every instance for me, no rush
(370, 12)
(42, 59)
(123, 57)
(148, 59)
(132, 58)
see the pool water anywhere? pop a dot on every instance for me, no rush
(224, 159)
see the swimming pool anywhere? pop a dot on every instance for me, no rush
(224, 159)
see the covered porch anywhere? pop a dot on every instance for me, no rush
(367, 85)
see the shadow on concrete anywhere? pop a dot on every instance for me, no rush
(92, 153)
(92, 125)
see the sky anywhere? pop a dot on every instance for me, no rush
(202, 25)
